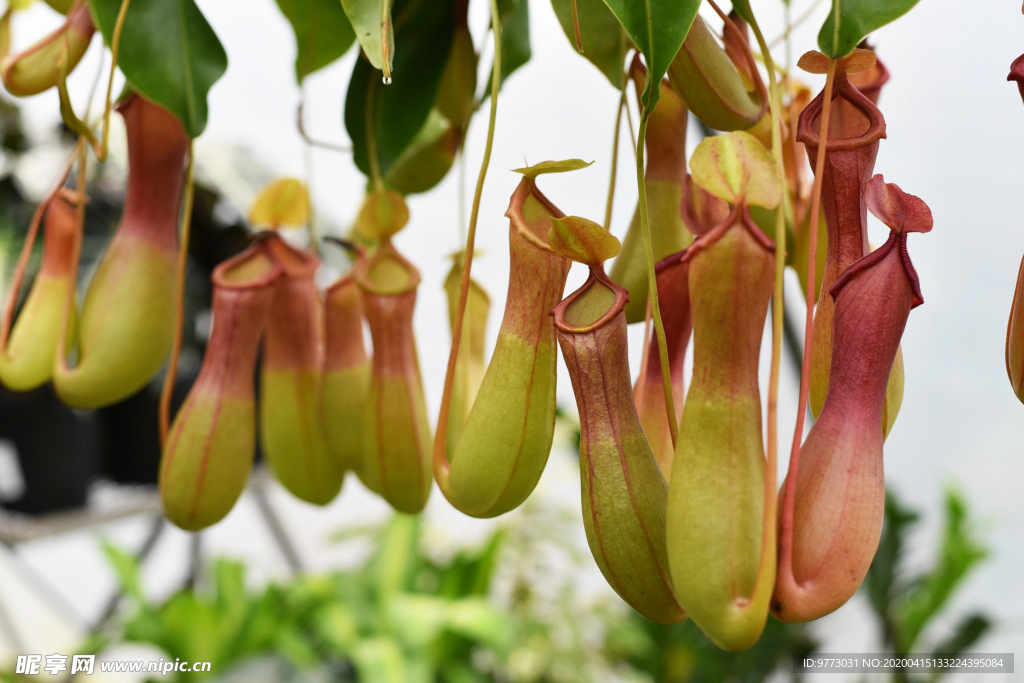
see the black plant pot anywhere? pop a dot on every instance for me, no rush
(56, 449)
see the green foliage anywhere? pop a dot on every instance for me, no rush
(396, 113)
(658, 29)
(366, 17)
(907, 605)
(680, 652)
(552, 167)
(62, 6)
(850, 21)
(742, 8)
(605, 44)
(168, 53)
(403, 617)
(428, 158)
(397, 615)
(514, 18)
(322, 33)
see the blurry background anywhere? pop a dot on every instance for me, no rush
(955, 138)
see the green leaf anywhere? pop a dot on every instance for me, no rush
(582, 240)
(477, 619)
(169, 54)
(883, 580)
(856, 19)
(229, 577)
(397, 112)
(322, 33)
(397, 557)
(337, 627)
(367, 17)
(380, 660)
(552, 167)
(737, 168)
(418, 619)
(191, 628)
(514, 18)
(427, 160)
(127, 569)
(742, 8)
(966, 633)
(605, 44)
(960, 553)
(485, 564)
(657, 28)
(456, 96)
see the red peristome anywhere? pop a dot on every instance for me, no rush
(293, 326)
(738, 216)
(648, 392)
(157, 146)
(902, 213)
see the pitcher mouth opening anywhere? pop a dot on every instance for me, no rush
(251, 269)
(592, 306)
(855, 121)
(388, 273)
(530, 214)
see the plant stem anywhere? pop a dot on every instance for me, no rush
(615, 162)
(768, 549)
(321, 144)
(307, 159)
(314, 224)
(441, 464)
(789, 493)
(462, 187)
(652, 280)
(629, 123)
(115, 47)
(179, 309)
(790, 26)
(576, 25)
